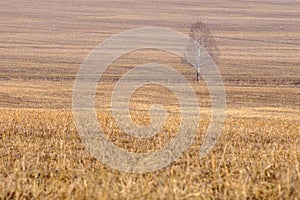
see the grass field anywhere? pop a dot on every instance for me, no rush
(42, 45)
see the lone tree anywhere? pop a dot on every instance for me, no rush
(201, 34)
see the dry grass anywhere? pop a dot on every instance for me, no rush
(42, 157)
(42, 45)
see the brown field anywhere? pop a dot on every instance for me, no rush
(42, 45)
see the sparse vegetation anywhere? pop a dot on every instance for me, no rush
(42, 44)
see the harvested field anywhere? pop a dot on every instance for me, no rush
(42, 45)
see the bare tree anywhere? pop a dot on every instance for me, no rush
(201, 34)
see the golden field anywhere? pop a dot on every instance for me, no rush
(42, 45)
(42, 157)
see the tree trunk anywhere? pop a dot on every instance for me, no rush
(198, 62)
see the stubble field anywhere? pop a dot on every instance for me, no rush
(42, 45)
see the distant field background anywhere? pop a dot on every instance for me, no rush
(42, 45)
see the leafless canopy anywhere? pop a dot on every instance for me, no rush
(202, 35)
